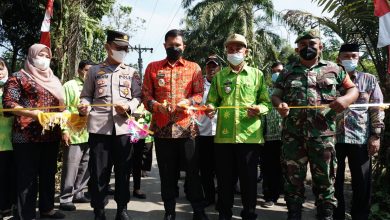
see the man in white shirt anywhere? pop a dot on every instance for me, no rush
(205, 140)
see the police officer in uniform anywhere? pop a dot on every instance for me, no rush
(110, 82)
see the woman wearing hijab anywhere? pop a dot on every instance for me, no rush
(35, 152)
(7, 189)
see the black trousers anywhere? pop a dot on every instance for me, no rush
(207, 166)
(168, 152)
(237, 160)
(35, 161)
(137, 163)
(7, 182)
(360, 165)
(105, 151)
(272, 170)
(147, 156)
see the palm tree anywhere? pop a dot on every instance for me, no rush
(209, 22)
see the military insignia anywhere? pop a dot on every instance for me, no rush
(101, 72)
(161, 82)
(125, 37)
(101, 91)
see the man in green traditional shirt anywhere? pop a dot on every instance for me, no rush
(309, 132)
(240, 93)
(76, 153)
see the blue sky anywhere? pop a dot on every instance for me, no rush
(168, 15)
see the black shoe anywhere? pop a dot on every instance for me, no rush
(67, 206)
(56, 215)
(82, 200)
(139, 195)
(169, 216)
(99, 214)
(294, 211)
(199, 215)
(122, 214)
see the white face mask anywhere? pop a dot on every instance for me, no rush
(118, 56)
(350, 65)
(235, 58)
(41, 63)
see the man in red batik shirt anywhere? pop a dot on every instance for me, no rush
(169, 85)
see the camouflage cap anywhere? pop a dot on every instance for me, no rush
(308, 34)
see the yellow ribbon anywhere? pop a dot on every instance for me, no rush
(51, 107)
(380, 105)
(73, 122)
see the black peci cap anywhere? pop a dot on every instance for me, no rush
(349, 48)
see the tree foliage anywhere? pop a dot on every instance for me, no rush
(77, 30)
(210, 22)
(20, 27)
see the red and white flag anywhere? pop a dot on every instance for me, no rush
(382, 10)
(45, 28)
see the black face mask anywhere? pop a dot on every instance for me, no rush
(308, 53)
(174, 53)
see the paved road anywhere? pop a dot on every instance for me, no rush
(152, 208)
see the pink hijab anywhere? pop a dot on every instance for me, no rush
(44, 78)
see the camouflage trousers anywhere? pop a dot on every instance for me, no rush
(319, 152)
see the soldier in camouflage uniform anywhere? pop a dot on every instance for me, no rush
(309, 133)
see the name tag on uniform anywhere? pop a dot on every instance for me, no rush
(160, 75)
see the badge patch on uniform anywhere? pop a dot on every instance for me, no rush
(101, 91)
(161, 82)
(125, 91)
(227, 86)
